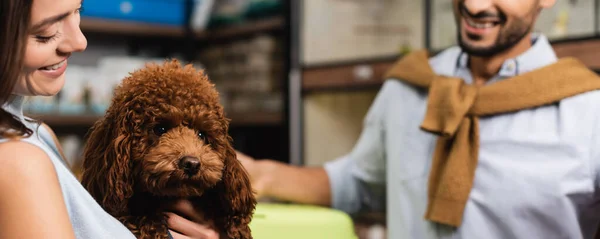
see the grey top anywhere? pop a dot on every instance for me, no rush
(89, 220)
(538, 170)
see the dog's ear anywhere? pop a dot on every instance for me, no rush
(238, 190)
(233, 197)
(106, 164)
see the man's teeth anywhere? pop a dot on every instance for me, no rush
(479, 25)
(54, 67)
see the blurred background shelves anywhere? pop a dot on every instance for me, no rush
(367, 74)
(243, 46)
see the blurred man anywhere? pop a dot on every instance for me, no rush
(516, 157)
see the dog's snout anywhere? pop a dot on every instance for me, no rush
(189, 165)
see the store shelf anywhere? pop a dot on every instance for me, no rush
(121, 27)
(259, 118)
(345, 77)
(66, 120)
(263, 25)
(369, 75)
(88, 120)
(585, 50)
(129, 28)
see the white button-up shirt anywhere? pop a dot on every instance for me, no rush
(538, 170)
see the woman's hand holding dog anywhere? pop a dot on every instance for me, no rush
(182, 228)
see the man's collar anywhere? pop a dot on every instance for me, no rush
(539, 55)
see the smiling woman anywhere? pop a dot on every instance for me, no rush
(54, 35)
(40, 197)
(38, 37)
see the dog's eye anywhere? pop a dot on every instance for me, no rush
(160, 129)
(202, 136)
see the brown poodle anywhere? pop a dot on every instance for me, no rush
(165, 136)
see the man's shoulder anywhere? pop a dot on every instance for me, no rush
(583, 80)
(582, 106)
(442, 63)
(586, 100)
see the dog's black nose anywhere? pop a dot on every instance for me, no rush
(189, 165)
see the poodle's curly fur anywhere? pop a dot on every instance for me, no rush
(165, 136)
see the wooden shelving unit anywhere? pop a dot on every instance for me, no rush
(129, 28)
(257, 118)
(585, 50)
(65, 120)
(259, 134)
(369, 75)
(345, 77)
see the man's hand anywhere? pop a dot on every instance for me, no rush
(196, 227)
(283, 182)
(258, 173)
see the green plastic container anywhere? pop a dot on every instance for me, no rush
(292, 221)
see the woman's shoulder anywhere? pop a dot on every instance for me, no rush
(23, 159)
(27, 173)
(20, 149)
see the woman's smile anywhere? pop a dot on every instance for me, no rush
(56, 70)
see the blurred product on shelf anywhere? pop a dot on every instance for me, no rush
(201, 14)
(248, 103)
(71, 99)
(227, 12)
(205, 13)
(111, 70)
(172, 12)
(247, 73)
(88, 90)
(263, 8)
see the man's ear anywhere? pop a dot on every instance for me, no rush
(544, 4)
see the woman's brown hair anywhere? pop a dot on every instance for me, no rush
(14, 23)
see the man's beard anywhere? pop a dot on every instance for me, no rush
(507, 38)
